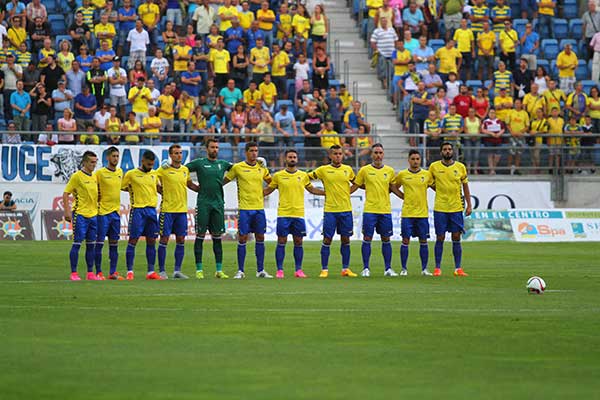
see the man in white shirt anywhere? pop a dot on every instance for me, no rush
(383, 40)
(75, 78)
(154, 93)
(139, 40)
(117, 78)
(12, 73)
(101, 117)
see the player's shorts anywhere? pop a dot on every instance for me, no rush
(337, 221)
(143, 222)
(415, 227)
(109, 225)
(253, 221)
(287, 225)
(172, 223)
(380, 223)
(210, 218)
(84, 228)
(448, 222)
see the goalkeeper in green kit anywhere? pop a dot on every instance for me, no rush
(210, 205)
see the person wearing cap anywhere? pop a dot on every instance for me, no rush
(117, 78)
(12, 73)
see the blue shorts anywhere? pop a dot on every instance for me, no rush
(448, 222)
(415, 227)
(143, 222)
(380, 223)
(172, 223)
(337, 221)
(287, 225)
(84, 228)
(109, 225)
(253, 221)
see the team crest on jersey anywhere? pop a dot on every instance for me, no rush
(422, 179)
(455, 172)
(385, 176)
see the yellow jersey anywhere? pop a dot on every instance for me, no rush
(532, 103)
(336, 181)
(376, 182)
(181, 64)
(260, 56)
(140, 104)
(555, 127)
(250, 97)
(285, 21)
(246, 18)
(329, 138)
(502, 114)
(174, 188)
(167, 103)
(464, 39)
(148, 13)
(141, 187)
(448, 186)
(448, 59)
(301, 25)
(553, 99)
(486, 41)
(84, 189)
(291, 187)
(230, 11)
(268, 92)
(415, 186)
(518, 121)
(109, 188)
(402, 56)
(108, 28)
(280, 62)
(220, 60)
(508, 40)
(249, 184)
(265, 26)
(566, 60)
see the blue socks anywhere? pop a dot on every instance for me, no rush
(439, 250)
(325, 250)
(457, 252)
(98, 256)
(298, 256)
(345, 252)
(403, 255)
(241, 256)
(74, 256)
(150, 256)
(179, 253)
(424, 253)
(280, 255)
(366, 253)
(162, 256)
(386, 250)
(259, 249)
(90, 255)
(113, 255)
(130, 256)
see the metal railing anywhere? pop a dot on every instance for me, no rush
(336, 58)
(346, 74)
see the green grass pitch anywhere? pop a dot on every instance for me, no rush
(481, 337)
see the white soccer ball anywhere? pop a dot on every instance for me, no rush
(536, 285)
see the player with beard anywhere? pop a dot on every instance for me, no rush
(291, 183)
(451, 182)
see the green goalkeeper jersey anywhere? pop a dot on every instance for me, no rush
(210, 178)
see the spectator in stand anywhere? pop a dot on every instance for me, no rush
(530, 44)
(441, 104)
(80, 32)
(8, 204)
(12, 73)
(400, 58)
(472, 144)
(546, 13)
(500, 14)
(20, 102)
(408, 85)
(503, 103)
(322, 66)
(450, 59)
(355, 118)
(479, 14)
(42, 104)
(151, 125)
(413, 19)
(62, 98)
(39, 32)
(16, 33)
(577, 102)
(204, 16)
(173, 12)
(319, 27)
(101, 117)
(64, 57)
(285, 124)
(67, 124)
(31, 76)
(335, 108)
(383, 41)
(11, 137)
(463, 101)
(567, 62)
(85, 59)
(185, 106)
(422, 55)
(465, 41)
(486, 45)
(234, 37)
(493, 128)
(279, 62)
(191, 82)
(453, 125)
(481, 104)
(85, 107)
(385, 11)
(139, 40)
(523, 77)
(229, 96)
(311, 126)
(502, 79)
(88, 13)
(45, 52)
(595, 48)
(452, 86)
(420, 104)
(432, 127)
(105, 54)
(36, 10)
(96, 79)
(113, 126)
(534, 101)
(452, 15)
(518, 127)
(227, 12)
(410, 43)
(591, 26)
(268, 94)
(433, 82)
(539, 126)
(104, 30)
(117, 79)
(219, 65)
(509, 40)
(556, 125)
(150, 15)
(127, 17)
(166, 110)
(132, 129)
(266, 17)
(555, 98)
(260, 58)
(301, 69)
(200, 58)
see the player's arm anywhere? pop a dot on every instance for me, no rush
(268, 190)
(194, 187)
(67, 206)
(355, 187)
(396, 190)
(467, 193)
(315, 191)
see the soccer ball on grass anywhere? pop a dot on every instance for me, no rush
(536, 285)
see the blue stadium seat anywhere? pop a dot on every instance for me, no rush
(550, 48)
(474, 84)
(226, 151)
(570, 9)
(60, 38)
(436, 44)
(519, 25)
(553, 69)
(335, 83)
(582, 73)
(291, 89)
(55, 17)
(51, 6)
(241, 153)
(561, 28)
(576, 28)
(564, 42)
(588, 85)
(58, 27)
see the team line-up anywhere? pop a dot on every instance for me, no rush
(95, 213)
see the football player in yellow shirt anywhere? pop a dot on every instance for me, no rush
(84, 188)
(291, 183)
(450, 180)
(337, 179)
(174, 180)
(415, 212)
(377, 181)
(109, 218)
(250, 175)
(141, 183)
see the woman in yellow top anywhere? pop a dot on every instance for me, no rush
(213, 37)
(594, 108)
(113, 125)
(472, 145)
(319, 27)
(556, 126)
(284, 23)
(131, 128)
(198, 122)
(539, 126)
(185, 108)
(301, 25)
(65, 57)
